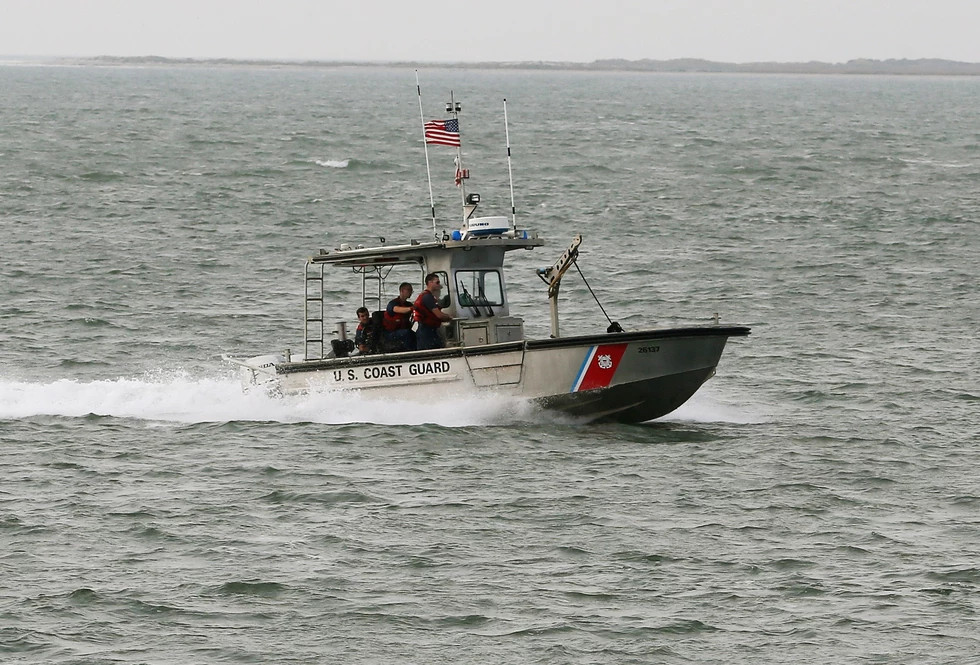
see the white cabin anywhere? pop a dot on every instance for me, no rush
(470, 268)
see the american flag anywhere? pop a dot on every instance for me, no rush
(442, 132)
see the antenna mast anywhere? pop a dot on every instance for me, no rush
(453, 107)
(510, 173)
(425, 146)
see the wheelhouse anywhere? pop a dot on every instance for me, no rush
(471, 270)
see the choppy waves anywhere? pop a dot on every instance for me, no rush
(815, 502)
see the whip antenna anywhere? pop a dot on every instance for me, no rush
(425, 147)
(510, 172)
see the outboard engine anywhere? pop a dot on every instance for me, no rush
(341, 347)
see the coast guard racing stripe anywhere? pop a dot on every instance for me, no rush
(599, 367)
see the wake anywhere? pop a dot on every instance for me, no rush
(178, 397)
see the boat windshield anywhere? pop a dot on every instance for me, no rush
(483, 285)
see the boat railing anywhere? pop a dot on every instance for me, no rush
(313, 328)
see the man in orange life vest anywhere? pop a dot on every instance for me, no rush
(429, 315)
(397, 321)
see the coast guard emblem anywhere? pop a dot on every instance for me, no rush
(598, 366)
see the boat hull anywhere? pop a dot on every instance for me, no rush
(624, 377)
(633, 402)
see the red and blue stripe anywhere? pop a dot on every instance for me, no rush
(599, 367)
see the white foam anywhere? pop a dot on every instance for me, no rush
(333, 163)
(178, 397)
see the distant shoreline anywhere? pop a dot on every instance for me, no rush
(919, 67)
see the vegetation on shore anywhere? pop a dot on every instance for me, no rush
(922, 66)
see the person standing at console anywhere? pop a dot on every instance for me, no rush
(397, 321)
(429, 315)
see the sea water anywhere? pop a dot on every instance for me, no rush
(815, 502)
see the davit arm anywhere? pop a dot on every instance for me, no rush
(552, 277)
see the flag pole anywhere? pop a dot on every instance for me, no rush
(510, 172)
(454, 108)
(425, 147)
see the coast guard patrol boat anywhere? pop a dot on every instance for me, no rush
(630, 376)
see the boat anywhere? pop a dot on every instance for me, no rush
(609, 375)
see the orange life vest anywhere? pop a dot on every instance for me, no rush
(396, 321)
(424, 315)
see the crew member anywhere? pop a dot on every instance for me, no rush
(364, 336)
(429, 315)
(397, 321)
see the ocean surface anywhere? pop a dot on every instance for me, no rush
(818, 501)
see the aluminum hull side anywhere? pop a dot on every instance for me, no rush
(563, 366)
(407, 376)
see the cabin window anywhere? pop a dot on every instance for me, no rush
(484, 287)
(444, 299)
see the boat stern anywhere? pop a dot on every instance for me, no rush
(259, 372)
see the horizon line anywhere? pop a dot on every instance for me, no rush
(296, 60)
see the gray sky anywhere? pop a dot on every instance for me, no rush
(499, 30)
